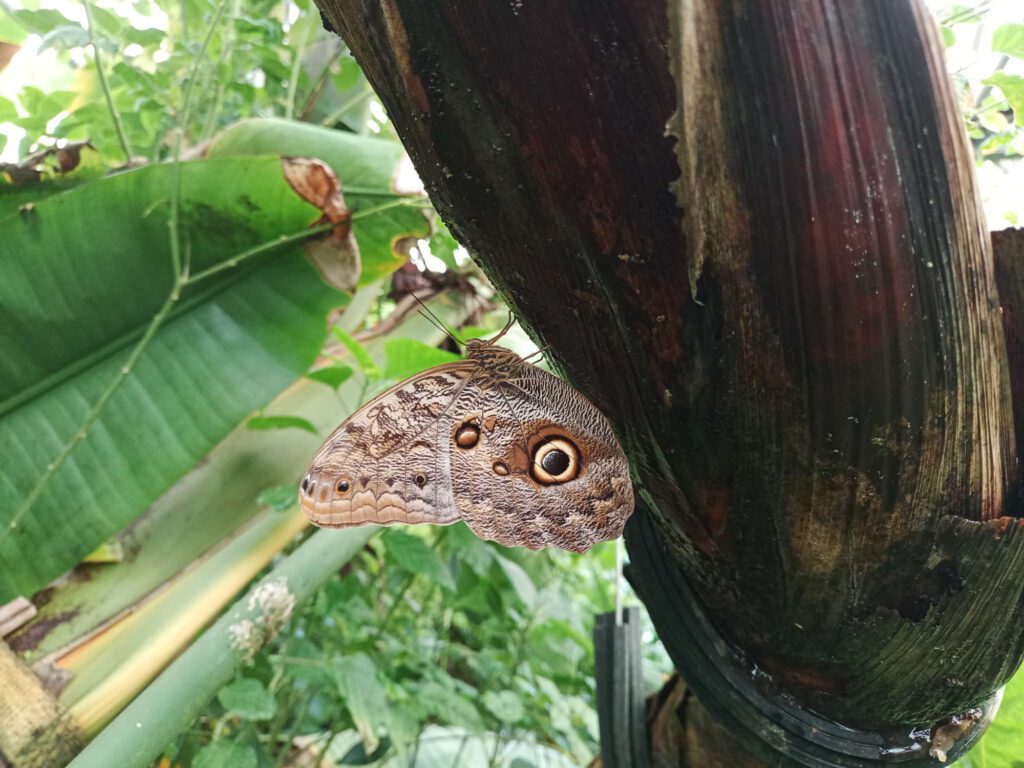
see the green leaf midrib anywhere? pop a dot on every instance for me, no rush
(201, 296)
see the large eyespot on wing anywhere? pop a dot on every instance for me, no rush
(386, 463)
(549, 472)
(557, 487)
(554, 459)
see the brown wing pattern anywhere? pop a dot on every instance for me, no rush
(497, 487)
(520, 455)
(382, 465)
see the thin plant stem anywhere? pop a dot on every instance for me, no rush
(415, 202)
(270, 245)
(122, 137)
(293, 77)
(956, 17)
(335, 116)
(321, 81)
(462, 746)
(173, 222)
(493, 761)
(395, 604)
(416, 751)
(97, 408)
(228, 49)
(183, 10)
(293, 728)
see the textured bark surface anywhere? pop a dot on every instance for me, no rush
(1008, 255)
(793, 323)
(860, 377)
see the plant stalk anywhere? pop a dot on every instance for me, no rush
(166, 707)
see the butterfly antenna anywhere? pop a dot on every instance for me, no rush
(436, 321)
(506, 329)
(538, 354)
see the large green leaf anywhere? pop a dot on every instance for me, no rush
(201, 512)
(81, 275)
(368, 169)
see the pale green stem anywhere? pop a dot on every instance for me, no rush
(225, 60)
(97, 408)
(234, 261)
(164, 709)
(321, 81)
(122, 137)
(185, 112)
(293, 78)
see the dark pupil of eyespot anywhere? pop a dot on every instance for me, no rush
(343, 486)
(555, 462)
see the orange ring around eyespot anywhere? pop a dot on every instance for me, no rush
(548, 446)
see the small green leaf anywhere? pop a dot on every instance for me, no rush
(136, 78)
(407, 357)
(1009, 39)
(520, 580)
(279, 498)
(993, 121)
(64, 38)
(505, 706)
(443, 246)
(369, 368)
(281, 422)
(11, 31)
(7, 110)
(107, 22)
(359, 756)
(348, 74)
(948, 36)
(40, 22)
(412, 555)
(332, 375)
(1012, 87)
(356, 678)
(465, 545)
(150, 37)
(450, 706)
(248, 699)
(226, 754)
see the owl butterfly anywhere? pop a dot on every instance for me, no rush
(517, 453)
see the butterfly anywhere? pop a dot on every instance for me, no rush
(518, 454)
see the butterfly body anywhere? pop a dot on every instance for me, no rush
(517, 453)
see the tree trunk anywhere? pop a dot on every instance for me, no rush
(785, 302)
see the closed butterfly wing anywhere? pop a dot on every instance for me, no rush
(547, 470)
(520, 455)
(382, 464)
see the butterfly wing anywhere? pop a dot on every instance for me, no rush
(547, 470)
(387, 462)
(520, 455)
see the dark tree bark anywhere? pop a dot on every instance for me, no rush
(785, 302)
(1008, 255)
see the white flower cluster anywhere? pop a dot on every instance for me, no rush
(274, 603)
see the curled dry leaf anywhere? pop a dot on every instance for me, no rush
(51, 161)
(335, 254)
